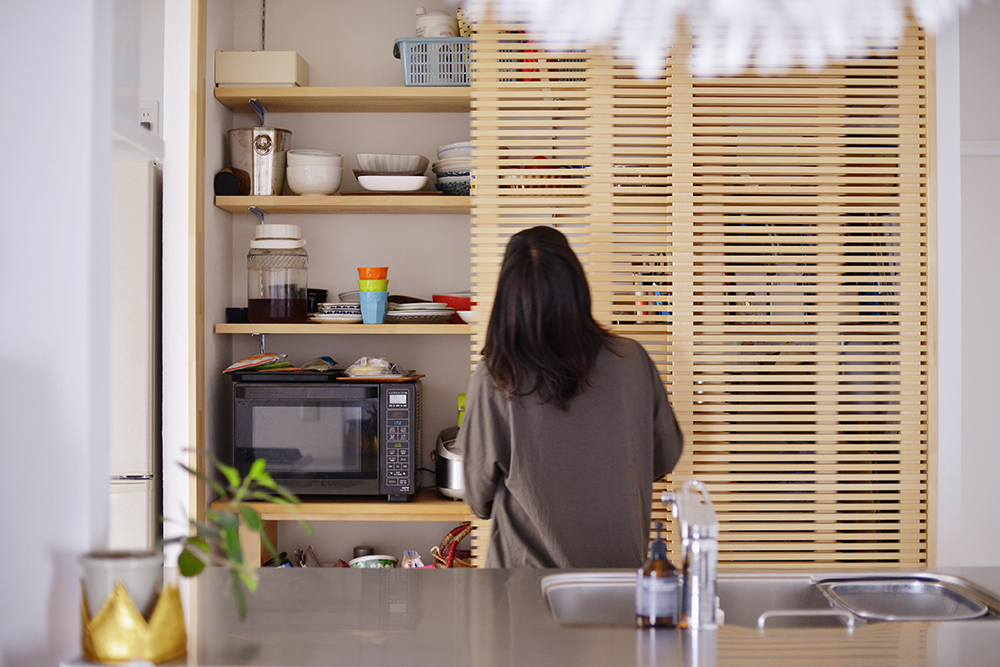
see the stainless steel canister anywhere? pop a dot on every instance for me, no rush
(260, 152)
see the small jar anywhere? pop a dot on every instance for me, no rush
(277, 275)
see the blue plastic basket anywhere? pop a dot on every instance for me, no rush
(434, 61)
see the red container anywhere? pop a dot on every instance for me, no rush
(457, 301)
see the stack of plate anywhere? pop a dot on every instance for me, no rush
(341, 313)
(390, 172)
(453, 168)
(424, 312)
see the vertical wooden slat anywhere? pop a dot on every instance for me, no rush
(766, 239)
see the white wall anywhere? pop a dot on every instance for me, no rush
(55, 214)
(980, 317)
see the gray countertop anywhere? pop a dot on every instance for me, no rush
(334, 616)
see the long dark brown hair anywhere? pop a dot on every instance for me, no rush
(542, 337)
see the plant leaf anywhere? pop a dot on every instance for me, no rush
(256, 470)
(252, 518)
(189, 564)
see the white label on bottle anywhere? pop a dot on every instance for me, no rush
(656, 597)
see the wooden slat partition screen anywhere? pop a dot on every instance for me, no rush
(767, 240)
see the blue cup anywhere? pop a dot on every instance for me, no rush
(373, 306)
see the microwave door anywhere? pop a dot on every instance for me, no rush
(311, 444)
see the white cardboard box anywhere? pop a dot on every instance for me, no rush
(260, 68)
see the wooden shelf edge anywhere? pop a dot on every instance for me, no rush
(359, 329)
(348, 204)
(321, 99)
(425, 506)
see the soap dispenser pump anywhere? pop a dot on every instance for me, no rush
(657, 588)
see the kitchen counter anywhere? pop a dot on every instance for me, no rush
(334, 616)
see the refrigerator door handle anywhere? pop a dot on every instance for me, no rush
(131, 478)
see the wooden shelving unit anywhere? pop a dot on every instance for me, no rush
(399, 99)
(325, 328)
(349, 204)
(426, 505)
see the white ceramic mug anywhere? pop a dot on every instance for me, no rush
(141, 572)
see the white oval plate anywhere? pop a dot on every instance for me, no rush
(339, 319)
(392, 183)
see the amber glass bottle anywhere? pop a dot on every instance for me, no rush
(657, 588)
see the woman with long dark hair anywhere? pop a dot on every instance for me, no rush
(566, 425)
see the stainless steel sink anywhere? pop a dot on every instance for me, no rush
(902, 598)
(782, 600)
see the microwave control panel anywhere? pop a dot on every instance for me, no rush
(401, 438)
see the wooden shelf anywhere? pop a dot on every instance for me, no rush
(348, 204)
(402, 99)
(426, 505)
(322, 328)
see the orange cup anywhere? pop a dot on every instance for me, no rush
(373, 272)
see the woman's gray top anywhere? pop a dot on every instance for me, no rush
(570, 488)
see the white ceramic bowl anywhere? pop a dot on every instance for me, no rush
(313, 179)
(392, 183)
(461, 149)
(376, 561)
(468, 316)
(392, 163)
(452, 164)
(298, 157)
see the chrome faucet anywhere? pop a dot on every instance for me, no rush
(699, 530)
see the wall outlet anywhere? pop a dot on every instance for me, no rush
(149, 116)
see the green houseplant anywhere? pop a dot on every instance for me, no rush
(216, 541)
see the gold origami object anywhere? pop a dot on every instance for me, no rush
(119, 634)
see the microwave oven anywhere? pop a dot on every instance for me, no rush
(331, 437)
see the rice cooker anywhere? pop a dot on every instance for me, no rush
(448, 473)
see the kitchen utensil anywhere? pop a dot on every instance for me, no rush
(300, 157)
(316, 297)
(373, 285)
(374, 561)
(313, 180)
(373, 272)
(448, 474)
(454, 186)
(373, 306)
(457, 301)
(468, 316)
(456, 150)
(392, 183)
(392, 163)
(260, 152)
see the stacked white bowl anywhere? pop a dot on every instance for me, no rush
(453, 168)
(391, 172)
(313, 172)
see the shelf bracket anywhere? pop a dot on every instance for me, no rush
(257, 213)
(263, 341)
(258, 108)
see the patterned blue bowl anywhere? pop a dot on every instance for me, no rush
(457, 187)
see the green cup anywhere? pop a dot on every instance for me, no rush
(373, 285)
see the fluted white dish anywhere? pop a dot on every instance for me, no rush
(392, 162)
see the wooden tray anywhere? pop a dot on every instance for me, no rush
(381, 378)
(391, 192)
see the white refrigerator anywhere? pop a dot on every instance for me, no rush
(136, 486)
